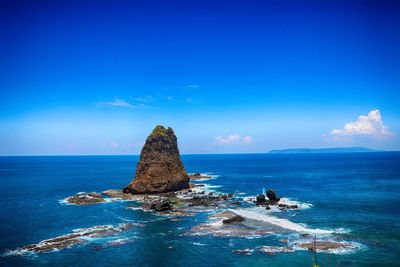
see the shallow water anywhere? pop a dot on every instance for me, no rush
(349, 197)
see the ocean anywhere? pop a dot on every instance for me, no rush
(352, 198)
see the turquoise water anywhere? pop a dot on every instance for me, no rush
(356, 196)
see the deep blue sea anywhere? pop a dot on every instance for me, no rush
(355, 195)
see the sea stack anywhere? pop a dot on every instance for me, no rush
(160, 168)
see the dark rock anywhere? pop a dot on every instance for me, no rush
(272, 195)
(162, 205)
(236, 203)
(224, 197)
(267, 208)
(202, 201)
(230, 195)
(234, 219)
(260, 199)
(160, 168)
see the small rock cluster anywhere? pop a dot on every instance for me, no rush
(272, 200)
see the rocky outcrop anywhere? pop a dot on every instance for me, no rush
(199, 176)
(86, 198)
(160, 168)
(272, 195)
(260, 199)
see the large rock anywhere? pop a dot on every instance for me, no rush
(260, 199)
(160, 168)
(272, 195)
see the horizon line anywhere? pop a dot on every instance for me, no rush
(188, 154)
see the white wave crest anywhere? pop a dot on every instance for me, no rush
(348, 247)
(280, 222)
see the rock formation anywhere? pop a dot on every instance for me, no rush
(160, 168)
(260, 199)
(272, 195)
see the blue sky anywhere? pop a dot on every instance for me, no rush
(94, 77)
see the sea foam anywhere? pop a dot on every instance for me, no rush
(280, 222)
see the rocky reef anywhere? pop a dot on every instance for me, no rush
(77, 237)
(160, 168)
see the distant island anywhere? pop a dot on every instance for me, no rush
(322, 150)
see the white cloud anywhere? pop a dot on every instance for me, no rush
(192, 86)
(233, 139)
(370, 125)
(117, 102)
(189, 100)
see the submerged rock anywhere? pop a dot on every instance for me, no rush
(272, 250)
(160, 168)
(326, 245)
(245, 252)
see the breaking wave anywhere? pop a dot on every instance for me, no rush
(280, 222)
